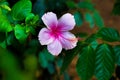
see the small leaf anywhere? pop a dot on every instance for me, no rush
(71, 4)
(117, 54)
(21, 9)
(49, 56)
(31, 19)
(86, 5)
(78, 18)
(116, 8)
(20, 33)
(86, 63)
(105, 62)
(5, 7)
(30, 29)
(66, 76)
(5, 25)
(98, 19)
(3, 44)
(89, 19)
(39, 7)
(42, 60)
(51, 68)
(109, 34)
(92, 40)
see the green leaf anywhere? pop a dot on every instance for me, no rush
(4, 5)
(20, 33)
(42, 60)
(109, 34)
(92, 40)
(45, 57)
(51, 68)
(49, 56)
(3, 44)
(21, 9)
(94, 44)
(117, 54)
(116, 8)
(105, 62)
(86, 5)
(31, 19)
(98, 19)
(69, 57)
(59, 62)
(86, 63)
(89, 19)
(5, 25)
(39, 7)
(71, 4)
(66, 76)
(78, 18)
(30, 29)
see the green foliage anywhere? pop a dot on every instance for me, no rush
(109, 34)
(4, 6)
(78, 18)
(5, 25)
(71, 4)
(86, 5)
(89, 19)
(21, 9)
(51, 68)
(116, 8)
(66, 76)
(91, 40)
(86, 63)
(9, 65)
(44, 58)
(69, 56)
(30, 63)
(117, 54)
(20, 33)
(98, 19)
(39, 7)
(105, 62)
(32, 19)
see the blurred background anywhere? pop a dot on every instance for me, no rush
(31, 61)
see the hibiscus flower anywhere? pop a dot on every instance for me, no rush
(56, 35)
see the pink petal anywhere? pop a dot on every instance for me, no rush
(68, 40)
(66, 22)
(44, 36)
(55, 47)
(50, 20)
